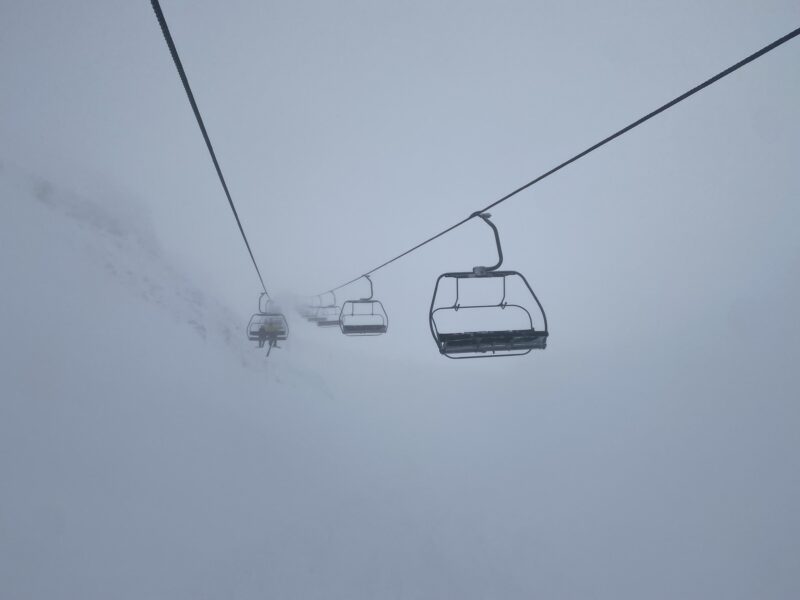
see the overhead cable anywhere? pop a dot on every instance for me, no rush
(604, 141)
(174, 52)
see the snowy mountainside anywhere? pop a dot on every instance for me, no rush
(116, 238)
(116, 245)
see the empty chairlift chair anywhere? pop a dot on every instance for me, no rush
(308, 310)
(328, 314)
(319, 313)
(472, 330)
(364, 316)
(268, 325)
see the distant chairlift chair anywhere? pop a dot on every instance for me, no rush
(328, 315)
(477, 343)
(308, 310)
(268, 325)
(364, 316)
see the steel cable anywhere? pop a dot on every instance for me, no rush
(590, 149)
(176, 59)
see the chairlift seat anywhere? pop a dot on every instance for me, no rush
(374, 329)
(512, 340)
(327, 322)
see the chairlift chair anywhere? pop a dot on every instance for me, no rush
(268, 325)
(313, 312)
(328, 315)
(307, 310)
(364, 316)
(484, 343)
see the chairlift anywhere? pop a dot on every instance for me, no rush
(472, 342)
(364, 316)
(308, 310)
(328, 315)
(268, 325)
(313, 313)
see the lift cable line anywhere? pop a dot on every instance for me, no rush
(590, 149)
(174, 51)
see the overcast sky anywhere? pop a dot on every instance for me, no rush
(349, 132)
(668, 261)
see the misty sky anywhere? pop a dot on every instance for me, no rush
(349, 132)
(668, 261)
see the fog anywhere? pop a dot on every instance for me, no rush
(651, 450)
